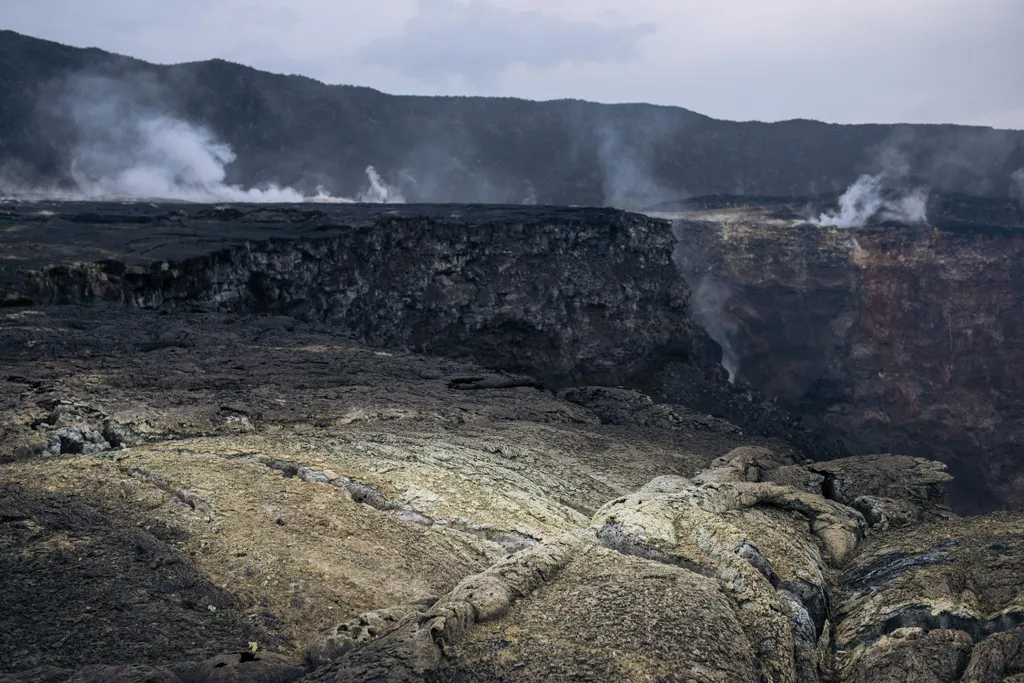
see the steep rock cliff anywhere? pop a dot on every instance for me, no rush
(886, 339)
(892, 338)
(567, 295)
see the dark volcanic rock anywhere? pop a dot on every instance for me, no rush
(587, 295)
(285, 480)
(80, 586)
(888, 339)
(914, 602)
(568, 296)
(892, 338)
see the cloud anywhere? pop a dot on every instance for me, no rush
(479, 41)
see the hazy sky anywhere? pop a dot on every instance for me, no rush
(848, 61)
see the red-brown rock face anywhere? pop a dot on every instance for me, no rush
(897, 339)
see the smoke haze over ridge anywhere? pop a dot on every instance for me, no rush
(218, 131)
(126, 148)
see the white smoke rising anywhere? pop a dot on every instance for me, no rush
(379, 192)
(531, 195)
(911, 208)
(711, 300)
(858, 205)
(626, 153)
(127, 150)
(872, 195)
(162, 158)
(1018, 178)
(710, 305)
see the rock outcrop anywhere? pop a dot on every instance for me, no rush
(570, 296)
(315, 477)
(890, 338)
(203, 485)
(277, 502)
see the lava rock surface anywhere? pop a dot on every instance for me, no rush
(193, 490)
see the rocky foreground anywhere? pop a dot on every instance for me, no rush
(227, 498)
(222, 467)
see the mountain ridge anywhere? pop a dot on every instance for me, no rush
(8, 34)
(295, 131)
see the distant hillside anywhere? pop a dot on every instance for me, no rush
(56, 101)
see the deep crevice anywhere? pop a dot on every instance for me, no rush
(614, 537)
(889, 566)
(511, 541)
(922, 617)
(179, 493)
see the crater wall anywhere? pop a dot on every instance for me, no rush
(892, 338)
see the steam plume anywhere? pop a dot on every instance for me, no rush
(910, 208)
(379, 192)
(1018, 179)
(161, 158)
(711, 299)
(880, 195)
(126, 149)
(531, 195)
(625, 154)
(858, 205)
(710, 305)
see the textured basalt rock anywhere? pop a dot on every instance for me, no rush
(360, 480)
(272, 498)
(568, 296)
(358, 525)
(234, 667)
(926, 593)
(890, 491)
(891, 338)
(586, 295)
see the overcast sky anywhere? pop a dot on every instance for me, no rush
(847, 61)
